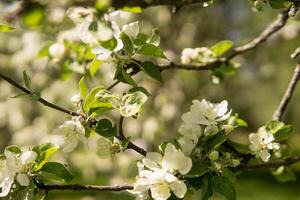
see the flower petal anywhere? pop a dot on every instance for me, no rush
(27, 157)
(179, 188)
(23, 179)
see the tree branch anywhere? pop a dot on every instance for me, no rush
(254, 43)
(130, 145)
(41, 100)
(278, 114)
(144, 3)
(77, 187)
(285, 162)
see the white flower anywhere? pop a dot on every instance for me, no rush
(188, 55)
(132, 29)
(197, 55)
(57, 50)
(76, 99)
(118, 17)
(262, 142)
(172, 161)
(132, 103)
(206, 113)
(73, 132)
(190, 135)
(16, 165)
(160, 183)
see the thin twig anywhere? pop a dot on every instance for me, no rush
(130, 145)
(285, 162)
(143, 3)
(254, 43)
(77, 187)
(278, 114)
(41, 100)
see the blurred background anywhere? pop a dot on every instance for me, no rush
(254, 92)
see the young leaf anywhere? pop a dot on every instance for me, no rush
(224, 187)
(44, 152)
(284, 174)
(82, 88)
(283, 133)
(94, 105)
(274, 125)
(27, 80)
(154, 37)
(128, 44)
(53, 171)
(215, 141)
(94, 66)
(197, 170)
(151, 50)
(222, 47)
(6, 28)
(105, 128)
(152, 70)
(140, 39)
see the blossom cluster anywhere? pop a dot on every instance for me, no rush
(204, 120)
(17, 166)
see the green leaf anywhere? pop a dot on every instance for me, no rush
(240, 122)
(26, 193)
(222, 47)
(128, 44)
(106, 128)
(154, 37)
(229, 174)
(44, 52)
(197, 170)
(44, 152)
(14, 149)
(215, 141)
(224, 187)
(93, 105)
(6, 28)
(283, 133)
(241, 148)
(279, 4)
(140, 39)
(27, 80)
(94, 66)
(124, 77)
(109, 44)
(83, 89)
(284, 174)
(134, 9)
(141, 89)
(273, 126)
(53, 171)
(151, 50)
(93, 26)
(33, 15)
(206, 191)
(152, 70)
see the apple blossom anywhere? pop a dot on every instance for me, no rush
(17, 165)
(262, 142)
(73, 131)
